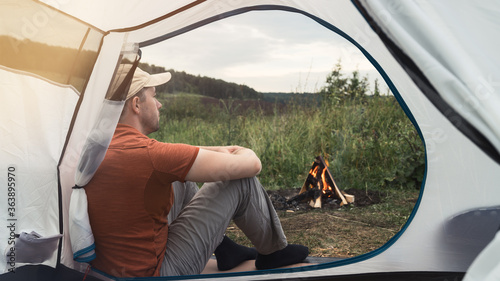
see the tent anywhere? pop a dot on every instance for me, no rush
(59, 108)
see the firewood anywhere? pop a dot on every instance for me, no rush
(314, 182)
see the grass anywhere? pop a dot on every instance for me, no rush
(345, 232)
(369, 143)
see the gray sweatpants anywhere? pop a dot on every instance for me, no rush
(200, 217)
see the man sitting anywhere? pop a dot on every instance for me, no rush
(150, 219)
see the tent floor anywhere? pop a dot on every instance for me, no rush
(249, 265)
(62, 273)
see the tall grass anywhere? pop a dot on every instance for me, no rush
(369, 143)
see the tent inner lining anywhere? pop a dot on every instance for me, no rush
(430, 92)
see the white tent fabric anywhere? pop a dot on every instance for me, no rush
(42, 112)
(451, 42)
(82, 239)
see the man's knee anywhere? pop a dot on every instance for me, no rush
(250, 185)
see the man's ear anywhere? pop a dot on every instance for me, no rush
(134, 104)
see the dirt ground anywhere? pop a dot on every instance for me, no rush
(339, 231)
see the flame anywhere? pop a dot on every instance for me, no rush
(322, 184)
(314, 171)
(326, 186)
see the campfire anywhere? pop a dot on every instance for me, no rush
(320, 185)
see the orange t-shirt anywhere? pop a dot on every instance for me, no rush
(129, 198)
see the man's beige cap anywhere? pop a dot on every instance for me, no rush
(142, 79)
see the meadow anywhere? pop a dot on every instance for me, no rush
(369, 143)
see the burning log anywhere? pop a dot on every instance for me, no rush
(320, 184)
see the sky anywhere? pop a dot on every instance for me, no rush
(270, 51)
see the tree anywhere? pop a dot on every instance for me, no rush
(338, 88)
(356, 86)
(335, 84)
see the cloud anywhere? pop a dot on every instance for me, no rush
(266, 50)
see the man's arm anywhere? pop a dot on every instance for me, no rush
(223, 149)
(224, 163)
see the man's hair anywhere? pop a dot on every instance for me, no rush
(139, 94)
